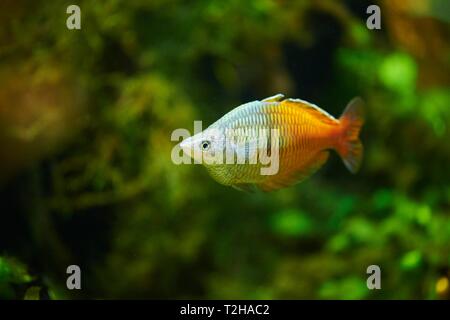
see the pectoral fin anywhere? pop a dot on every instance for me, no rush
(246, 187)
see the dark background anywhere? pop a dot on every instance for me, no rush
(86, 176)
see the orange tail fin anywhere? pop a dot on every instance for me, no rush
(349, 146)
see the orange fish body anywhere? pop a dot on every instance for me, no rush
(305, 135)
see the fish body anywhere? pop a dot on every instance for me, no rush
(304, 134)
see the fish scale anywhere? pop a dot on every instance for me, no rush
(306, 134)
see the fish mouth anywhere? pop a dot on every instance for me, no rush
(186, 146)
(183, 144)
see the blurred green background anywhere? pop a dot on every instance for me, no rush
(86, 176)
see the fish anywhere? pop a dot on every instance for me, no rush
(296, 133)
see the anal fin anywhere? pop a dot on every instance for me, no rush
(290, 176)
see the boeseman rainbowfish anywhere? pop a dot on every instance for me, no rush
(303, 132)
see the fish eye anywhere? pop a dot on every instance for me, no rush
(205, 145)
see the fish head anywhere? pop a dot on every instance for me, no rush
(206, 147)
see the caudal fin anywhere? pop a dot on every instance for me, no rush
(349, 146)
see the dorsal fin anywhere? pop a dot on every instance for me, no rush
(275, 98)
(312, 108)
(288, 176)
